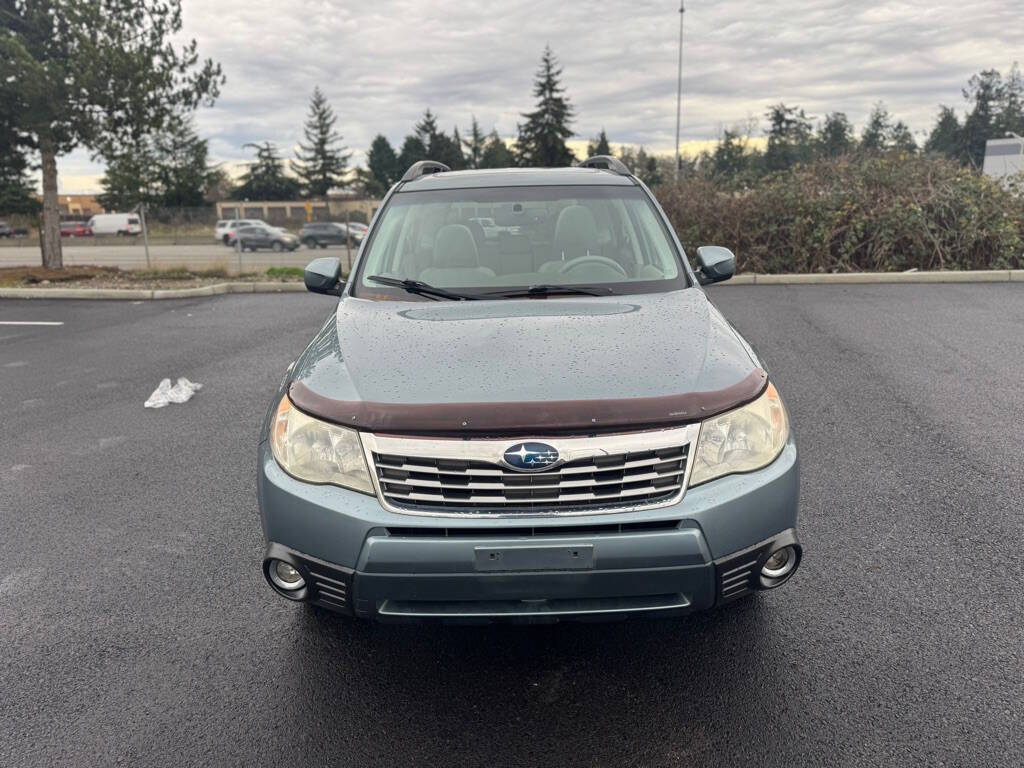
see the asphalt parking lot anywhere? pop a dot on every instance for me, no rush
(135, 626)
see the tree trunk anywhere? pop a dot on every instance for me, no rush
(53, 257)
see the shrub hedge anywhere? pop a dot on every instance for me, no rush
(861, 212)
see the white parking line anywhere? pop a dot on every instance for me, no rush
(29, 322)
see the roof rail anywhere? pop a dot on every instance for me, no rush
(607, 163)
(424, 168)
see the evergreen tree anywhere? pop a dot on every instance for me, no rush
(381, 168)
(647, 168)
(984, 90)
(169, 169)
(15, 189)
(448, 150)
(265, 178)
(413, 150)
(95, 74)
(1011, 107)
(835, 135)
(427, 132)
(496, 153)
(321, 163)
(900, 138)
(730, 156)
(946, 137)
(474, 145)
(789, 138)
(599, 146)
(541, 141)
(875, 137)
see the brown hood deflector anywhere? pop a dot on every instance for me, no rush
(536, 418)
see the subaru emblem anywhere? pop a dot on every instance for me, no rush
(530, 457)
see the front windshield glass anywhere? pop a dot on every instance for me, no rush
(609, 238)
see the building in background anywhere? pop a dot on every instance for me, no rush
(295, 213)
(76, 206)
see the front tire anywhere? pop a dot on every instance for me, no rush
(276, 246)
(310, 243)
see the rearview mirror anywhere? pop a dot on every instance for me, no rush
(323, 275)
(716, 264)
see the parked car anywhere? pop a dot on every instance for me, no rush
(560, 426)
(5, 230)
(274, 238)
(358, 230)
(75, 229)
(116, 224)
(320, 234)
(224, 231)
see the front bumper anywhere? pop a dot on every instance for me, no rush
(360, 559)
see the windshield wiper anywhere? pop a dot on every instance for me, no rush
(424, 289)
(553, 290)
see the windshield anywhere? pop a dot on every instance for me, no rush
(610, 237)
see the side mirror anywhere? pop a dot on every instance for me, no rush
(716, 264)
(323, 276)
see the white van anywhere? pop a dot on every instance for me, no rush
(116, 224)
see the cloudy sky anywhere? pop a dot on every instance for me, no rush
(381, 63)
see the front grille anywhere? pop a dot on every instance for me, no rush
(634, 478)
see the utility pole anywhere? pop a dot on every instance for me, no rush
(679, 83)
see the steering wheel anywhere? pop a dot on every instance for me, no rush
(592, 258)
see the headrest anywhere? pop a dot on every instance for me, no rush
(454, 247)
(575, 230)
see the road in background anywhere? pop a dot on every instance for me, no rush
(136, 627)
(133, 256)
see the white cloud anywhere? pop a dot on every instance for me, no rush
(382, 63)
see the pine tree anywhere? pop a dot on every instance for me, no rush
(474, 145)
(835, 136)
(496, 153)
(381, 168)
(541, 141)
(599, 146)
(265, 178)
(427, 132)
(169, 169)
(413, 150)
(900, 138)
(875, 137)
(320, 163)
(946, 137)
(789, 138)
(15, 189)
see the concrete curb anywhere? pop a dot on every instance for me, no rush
(847, 278)
(137, 294)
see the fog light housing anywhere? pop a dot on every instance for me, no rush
(285, 576)
(779, 566)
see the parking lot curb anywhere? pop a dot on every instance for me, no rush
(136, 294)
(849, 278)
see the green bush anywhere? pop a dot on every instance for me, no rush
(860, 212)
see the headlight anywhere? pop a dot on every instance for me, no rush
(742, 440)
(317, 452)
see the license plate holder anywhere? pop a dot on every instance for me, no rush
(557, 557)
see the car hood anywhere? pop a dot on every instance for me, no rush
(526, 365)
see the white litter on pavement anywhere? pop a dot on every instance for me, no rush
(165, 394)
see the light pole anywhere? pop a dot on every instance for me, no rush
(679, 83)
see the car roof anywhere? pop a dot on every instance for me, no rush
(517, 177)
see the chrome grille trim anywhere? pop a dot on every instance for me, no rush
(462, 478)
